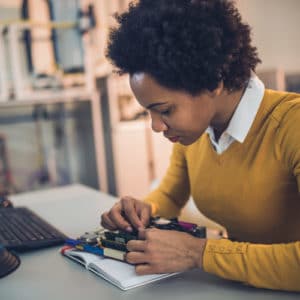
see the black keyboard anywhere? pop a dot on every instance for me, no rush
(21, 229)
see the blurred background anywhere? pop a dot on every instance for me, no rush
(65, 117)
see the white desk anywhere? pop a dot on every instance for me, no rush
(45, 274)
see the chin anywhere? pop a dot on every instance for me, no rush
(188, 141)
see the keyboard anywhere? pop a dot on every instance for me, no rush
(21, 229)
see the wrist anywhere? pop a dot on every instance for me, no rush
(199, 252)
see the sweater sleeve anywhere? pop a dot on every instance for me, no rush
(174, 190)
(275, 266)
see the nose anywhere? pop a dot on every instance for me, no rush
(157, 123)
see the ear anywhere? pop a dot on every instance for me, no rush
(217, 91)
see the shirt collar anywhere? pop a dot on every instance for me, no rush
(246, 110)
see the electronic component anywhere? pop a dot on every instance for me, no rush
(97, 249)
(174, 224)
(113, 243)
(118, 239)
(91, 237)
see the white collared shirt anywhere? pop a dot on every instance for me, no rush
(242, 118)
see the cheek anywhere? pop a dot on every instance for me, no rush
(184, 125)
(190, 120)
(197, 122)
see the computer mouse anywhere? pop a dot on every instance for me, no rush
(9, 261)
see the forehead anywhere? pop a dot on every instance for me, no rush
(148, 91)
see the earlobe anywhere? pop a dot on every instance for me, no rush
(219, 89)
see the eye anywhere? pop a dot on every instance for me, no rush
(165, 112)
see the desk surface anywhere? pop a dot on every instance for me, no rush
(45, 274)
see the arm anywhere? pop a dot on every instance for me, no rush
(174, 190)
(166, 200)
(275, 266)
(266, 266)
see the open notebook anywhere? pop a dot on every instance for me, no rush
(119, 273)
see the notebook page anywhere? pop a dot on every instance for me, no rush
(83, 258)
(116, 272)
(122, 274)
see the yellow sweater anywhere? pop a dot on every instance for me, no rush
(252, 189)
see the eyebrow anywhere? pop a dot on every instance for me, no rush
(155, 104)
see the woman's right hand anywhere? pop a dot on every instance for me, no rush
(126, 214)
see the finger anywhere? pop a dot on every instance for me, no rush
(145, 216)
(136, 258)
(142, 233)
(107, 223)
(144, 269)
(120, 222)
(130, 212)
(136, 245)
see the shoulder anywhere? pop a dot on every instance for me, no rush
(287, 140)
(286, 109)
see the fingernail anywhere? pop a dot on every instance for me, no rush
(129, 228)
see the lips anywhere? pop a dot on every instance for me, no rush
(173, 139)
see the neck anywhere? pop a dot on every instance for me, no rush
(227, 104)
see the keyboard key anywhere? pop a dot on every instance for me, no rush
(21, 229)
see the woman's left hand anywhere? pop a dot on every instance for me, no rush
(165, 251)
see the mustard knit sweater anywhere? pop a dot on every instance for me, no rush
(252, 189)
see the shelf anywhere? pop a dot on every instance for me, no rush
(49, 97)
(103, 69)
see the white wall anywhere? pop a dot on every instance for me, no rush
(10, 3)
(276, 31)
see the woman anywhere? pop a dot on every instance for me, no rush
(236, 145)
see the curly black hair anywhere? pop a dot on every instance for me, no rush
(188, 45)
